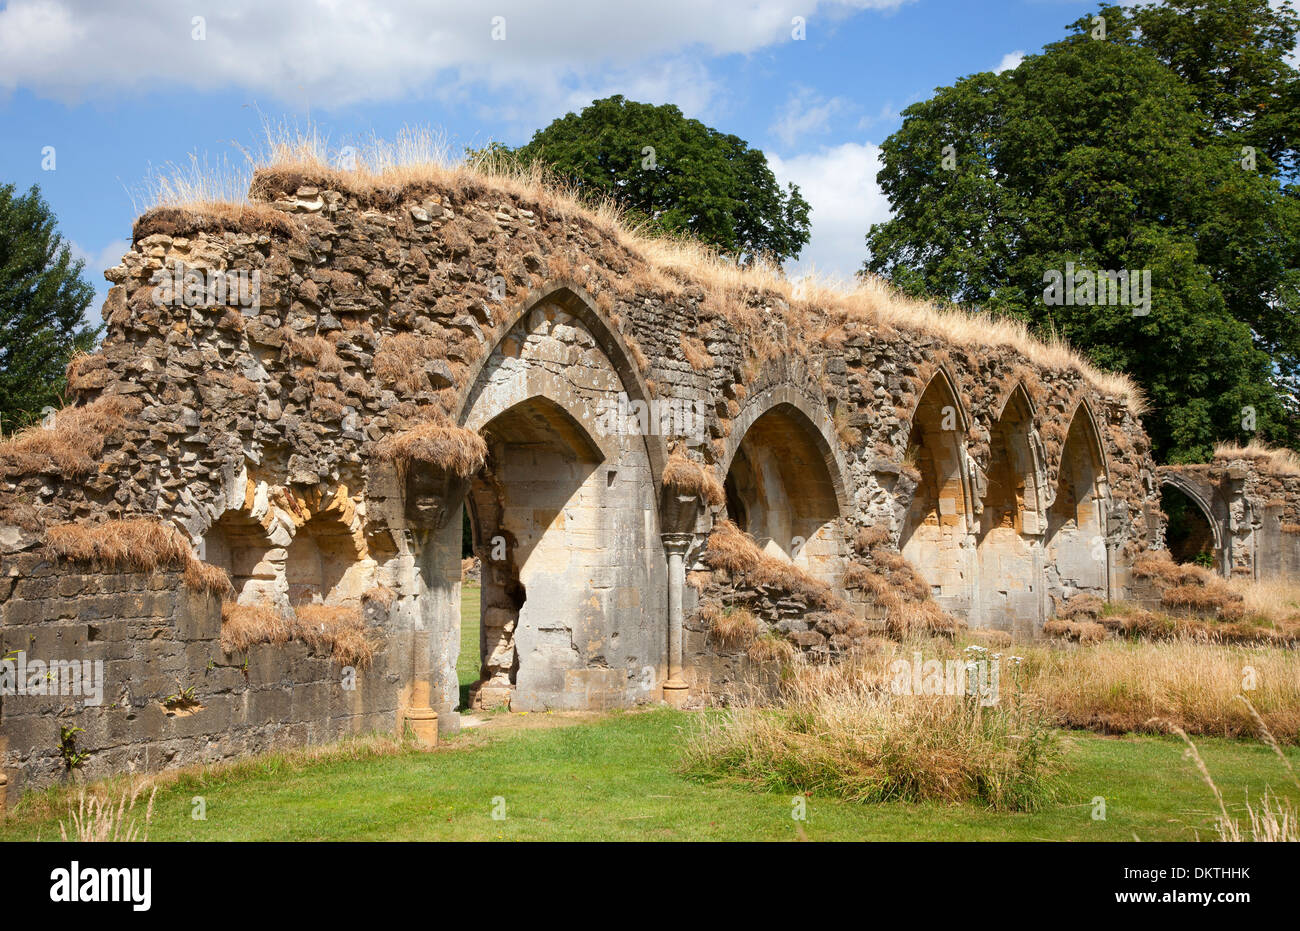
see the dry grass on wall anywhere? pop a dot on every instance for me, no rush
(733, 551)
(417, 163)
(71, 449)
(695, 353)
(730, 627)
(688, 477)
(338, 630)
(1194, 589)
(453, 449)
(894, 584)
(135, 545)
(1268, 459)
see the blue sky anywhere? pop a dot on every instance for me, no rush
(121, 89)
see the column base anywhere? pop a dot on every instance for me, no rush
(423, 723)
(676, 692)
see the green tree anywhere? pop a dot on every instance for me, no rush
(1098, 153)
(43, 298)
(676, 174)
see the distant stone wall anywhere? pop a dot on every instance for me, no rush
(155, 639)
(1251, 502)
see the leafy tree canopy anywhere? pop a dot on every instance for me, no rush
(675, 174)
(1124, 153)
(43, 298)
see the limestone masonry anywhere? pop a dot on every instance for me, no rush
(310, 392)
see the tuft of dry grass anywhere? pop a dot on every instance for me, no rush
(381, 595)
(72, 448)
(454, 449)
(771, 649)
(401, 359)
(97, 819)
(338, 630)
(1149, 686)
(733, 551)
(836, 732)
(1274, 821)
(1272, 460)
(135, 545)
(731, 627)
(695, 353)
(688, 477)
(243, 626)
(1190, 588)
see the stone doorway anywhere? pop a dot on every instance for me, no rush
(534, 512)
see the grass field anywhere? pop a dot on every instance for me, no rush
(615, 777)
(467, 664)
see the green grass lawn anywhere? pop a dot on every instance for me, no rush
(615, 778)
(467, 664)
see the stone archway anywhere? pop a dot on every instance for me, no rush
(1012, 524)
(564, 519)
(1077, 552)
(535, 512)
(936, 535)
(1203, 525)
(781, 490)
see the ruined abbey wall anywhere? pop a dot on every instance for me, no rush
(313, 389)
(1250, 502)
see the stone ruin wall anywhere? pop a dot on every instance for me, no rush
(1251, 503)
(258, 432)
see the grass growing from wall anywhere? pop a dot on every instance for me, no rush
(618, 778)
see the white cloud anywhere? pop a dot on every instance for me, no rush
(335, 52)
(806, 114)
(840, 185)
(1010, 61)
(96, 264)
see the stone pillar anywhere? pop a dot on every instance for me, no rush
(420, 716)
(675, 546)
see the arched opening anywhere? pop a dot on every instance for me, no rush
(1011, 524)
(325, 563)
(240, 545)
(780, 491)
(572, 608)
(1189, 531)
(1076, 528)
(936, 537)
(534, 510)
